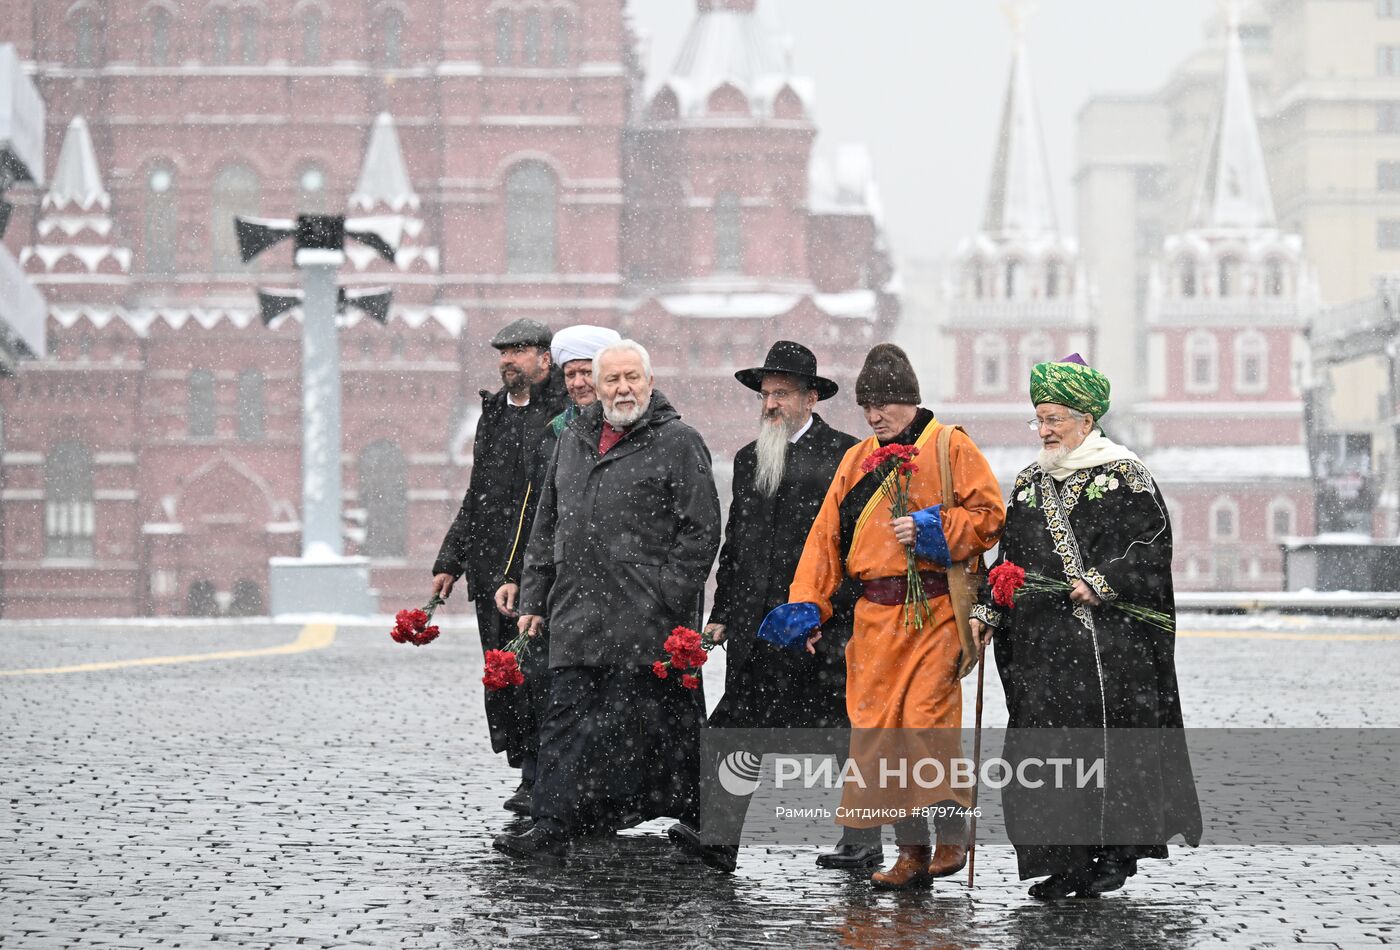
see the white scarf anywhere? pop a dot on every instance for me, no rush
(1096, 449)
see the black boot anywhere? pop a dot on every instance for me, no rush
(535, 845)
(520, 801)
(721, 857)
(1058, 886)
(1112, 873)
(852, 857)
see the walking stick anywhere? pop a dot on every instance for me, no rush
(976, 762)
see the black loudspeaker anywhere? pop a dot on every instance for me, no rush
(320, 231)
(256, 235)
(374, 301)
(274, 303)
(5, 209)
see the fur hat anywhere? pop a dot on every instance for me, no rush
(887, 376)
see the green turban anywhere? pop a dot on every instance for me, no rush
(1071, 382)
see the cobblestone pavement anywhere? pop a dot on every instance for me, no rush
(344, 796)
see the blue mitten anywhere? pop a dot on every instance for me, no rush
(929, 540)
(789, 625)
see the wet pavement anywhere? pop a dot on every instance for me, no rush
(343, 795)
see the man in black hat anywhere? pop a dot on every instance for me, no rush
(780, 480)
(483, 539)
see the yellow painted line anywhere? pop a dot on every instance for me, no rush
(314, 636)
(1282, 635)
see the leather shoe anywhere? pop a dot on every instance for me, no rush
(520, 801)
(534, 845)
(721, 857)
(1110, 874)
(852, 857)
(948, 859)
(1058, 886)
(910, 870)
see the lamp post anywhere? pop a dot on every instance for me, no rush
(322, 579)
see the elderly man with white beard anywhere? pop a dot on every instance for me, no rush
(780, 480)
(623, 540)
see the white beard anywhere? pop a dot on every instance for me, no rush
(1051, 458)
(627, 417)
(772, 449)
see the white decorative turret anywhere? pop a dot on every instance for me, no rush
(75, 223)
(384, 188)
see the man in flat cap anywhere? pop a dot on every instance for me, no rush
(1094, 659)
(484, 537)
(902, 671)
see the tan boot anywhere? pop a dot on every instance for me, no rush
(909, 870)
(947, 859)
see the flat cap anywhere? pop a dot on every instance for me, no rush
(522, 332)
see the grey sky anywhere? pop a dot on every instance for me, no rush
(921, 83)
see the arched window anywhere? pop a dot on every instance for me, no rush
(1186, 276)
(533, 40)
(976, 286)
(221, 36)
(729, 234)
(1011, 287)
(391, 37)
(1283, 519)
(311, 37)
(530, 200)
(160, 36)
(560, 47)
(384, 496)
(85, 37)
(247, 599)
(202, 600)
(248, 36)
(1229, 279)
(1224, 520)
(251, 414)
(236, 191)
(162, 220)
(505, 38)
(1054, 277)
(1035, 348)
(200, 412)
(989, 364)
(1273, 277)
(311, 189)
(69, 516)
(1202, 359)
(1251, 362)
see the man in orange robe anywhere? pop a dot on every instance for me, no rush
(902, 682)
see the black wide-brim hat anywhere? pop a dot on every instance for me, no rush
(792, 359)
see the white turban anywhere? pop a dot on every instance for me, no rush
(580, 342)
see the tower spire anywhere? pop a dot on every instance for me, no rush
(384, 180)
(1234, 192)
(1020, 200)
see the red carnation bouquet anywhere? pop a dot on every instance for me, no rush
(896, 468)
(503, 666)
(1009, 580)
(687, 650)
(411, 626)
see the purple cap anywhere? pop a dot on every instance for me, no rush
(1073, 358)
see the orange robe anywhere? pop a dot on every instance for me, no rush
(899, 677)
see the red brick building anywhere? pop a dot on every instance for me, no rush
(151, 464)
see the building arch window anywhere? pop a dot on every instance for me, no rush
(69, 512)
(1273, 277)
(1283, 519)
(1035, 348)
(1224, 520)
(200, 411)
(1228, 270)
(532, 40)
(975, 276)
(1011, 286)
(312, 20)
(1251, 362)
(1202, 363)
(729, 234)
(563, 28)
(384, 496)
(391, 25)
(87, 38)
(989, 364)
(162, 220)
(247, 599)
(158, 19)
(530, 212)
(248, 36)
(1054, 279)
(220, 36)
(311, 188)
(1186, 276)
(505, 37)
(202, 600)
(252, 417)
(236, 191)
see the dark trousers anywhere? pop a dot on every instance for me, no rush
(616, 743)
(513, 715)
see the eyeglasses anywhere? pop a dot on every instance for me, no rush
(1053, 422)
(782, 395)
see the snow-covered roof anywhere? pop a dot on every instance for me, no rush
(859, 304)
(384, 181)
(844, 185)
(451, 319)
(738, 306)
(77, 183)
(1228, 463)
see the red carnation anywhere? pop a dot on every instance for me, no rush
(1007, 578)
(659, 668)
(426, 635)
(502, 670)
(690, 682)
(908, 468)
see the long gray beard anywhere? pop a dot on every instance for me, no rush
(772, 449)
